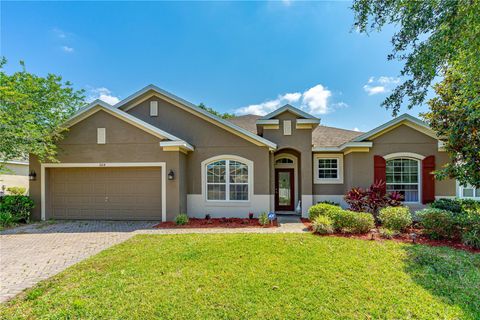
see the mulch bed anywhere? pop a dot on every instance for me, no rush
(216, 223)
(404, 237)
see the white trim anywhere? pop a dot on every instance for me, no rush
(459, 191)
(403, 119)
(195, 110)
(351, 144)
(15, 162)
(337, 198)
(339, 157)
(415, 156)
(180, 143)
(290, 108)
(249, 164)
(98, 105)
(307, 202)
(198, 208)
(268, 121)
(308, 121)
(293, 166)
(162, 165)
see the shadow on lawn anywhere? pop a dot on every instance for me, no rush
(452, 275)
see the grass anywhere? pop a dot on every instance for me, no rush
(257, 276)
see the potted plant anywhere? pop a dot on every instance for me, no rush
(250, 215)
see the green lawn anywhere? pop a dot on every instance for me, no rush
(258, 276)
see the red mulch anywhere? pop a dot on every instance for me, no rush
(404, 237)
(216, 223)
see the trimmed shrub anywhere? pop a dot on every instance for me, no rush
(354, 222)
(324, 209)
(329, 202)
(181, 219)
(438, 223)
(263, 218)
(387, 233)
(18, 206)
(472, 237)
(456, 205)
(7, 219)
(395, 218)
(17, 191)
(322, 225)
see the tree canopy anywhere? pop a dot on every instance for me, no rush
(438, 41)
(32, 112)
(225, 115)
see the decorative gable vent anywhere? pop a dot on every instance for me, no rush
(287, 127)
(153, 108)
(101, 136)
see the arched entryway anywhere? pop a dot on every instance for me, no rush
(286, 181)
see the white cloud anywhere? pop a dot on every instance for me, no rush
(59, 33)
(287, 2)
(356, 129)
(291, 97)
(381, 85)
(67, 49)
(314, 100)
(103, 94)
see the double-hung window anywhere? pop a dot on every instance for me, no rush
(469, 192)
(328, 168)
(403, 177)
(227, 180)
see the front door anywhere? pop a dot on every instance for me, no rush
(284, 190)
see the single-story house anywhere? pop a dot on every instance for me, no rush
(14, 175)
(154, 155)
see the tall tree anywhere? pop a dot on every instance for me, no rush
(32, 112)
(225, 115)
(438, 40)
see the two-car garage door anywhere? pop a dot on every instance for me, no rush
(105, 193)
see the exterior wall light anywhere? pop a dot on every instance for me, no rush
(171, 175)
(32, 176)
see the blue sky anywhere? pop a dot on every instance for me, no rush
(235, 57)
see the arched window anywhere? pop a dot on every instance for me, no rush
(403, 176)
(227, 180)
(283, 160)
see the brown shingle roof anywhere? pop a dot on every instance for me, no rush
(322, 136)
(247, 122)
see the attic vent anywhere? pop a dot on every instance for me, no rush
(287, 127)
(153, 108)
(101, 136)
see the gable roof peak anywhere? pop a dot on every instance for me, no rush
(405, 118)
(290, 108)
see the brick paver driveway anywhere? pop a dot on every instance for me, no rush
(35, 252)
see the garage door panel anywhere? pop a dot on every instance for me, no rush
(106, 193)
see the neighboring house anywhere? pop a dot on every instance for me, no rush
(15, 175)
(154, 155)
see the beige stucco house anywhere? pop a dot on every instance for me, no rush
(14, 175)
(154, 155)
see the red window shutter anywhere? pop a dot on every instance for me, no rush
(428, 180)
(380, 170)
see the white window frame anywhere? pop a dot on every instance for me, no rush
(316, 169)
(476, 194)
(227, 158)
(408, 156)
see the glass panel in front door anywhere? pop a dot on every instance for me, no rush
(284, 194)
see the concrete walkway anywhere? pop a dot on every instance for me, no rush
(35, 252)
